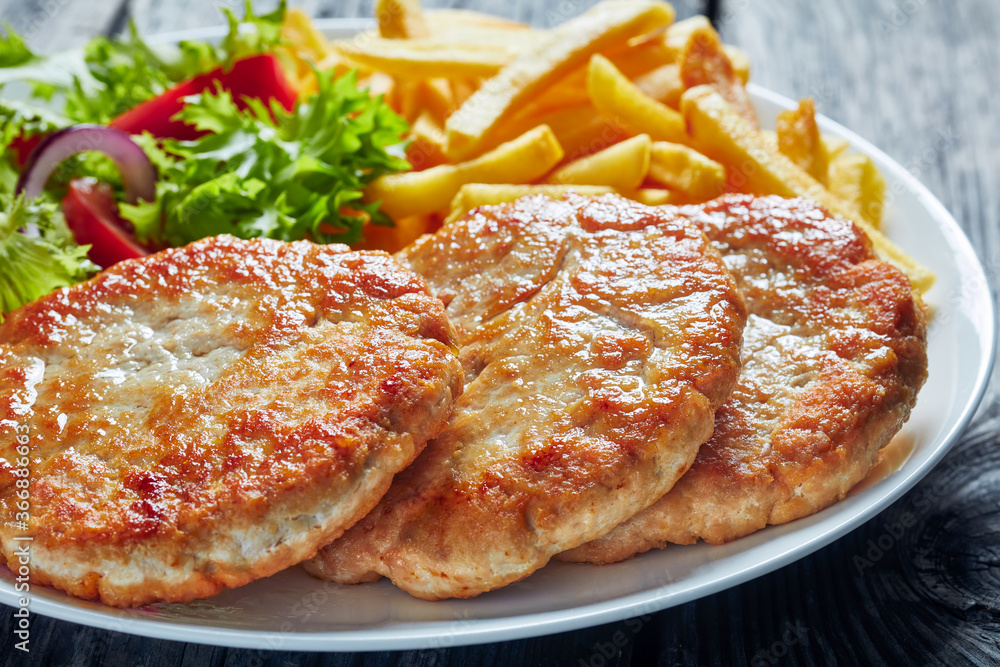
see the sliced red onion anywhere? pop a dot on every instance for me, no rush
(138, 173)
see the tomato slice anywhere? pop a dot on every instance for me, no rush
(92, 216)
(257, 77)
(23, 146)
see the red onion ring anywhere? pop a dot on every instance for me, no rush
(138, 173)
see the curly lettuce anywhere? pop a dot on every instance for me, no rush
(110, 76)
(37, 251)
(267, 172)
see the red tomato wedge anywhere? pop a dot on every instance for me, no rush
(92, 216)
(22, 147)
(258, 77)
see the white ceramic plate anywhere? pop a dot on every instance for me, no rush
(291, 611)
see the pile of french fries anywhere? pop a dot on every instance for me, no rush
(619, 99)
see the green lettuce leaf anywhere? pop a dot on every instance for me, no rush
(272, 173)
(110, 76)
(19, 119)
(252, 35)
(125, 72)
(38, 262)
(13, 49)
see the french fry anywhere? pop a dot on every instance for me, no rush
(686, 170)
(658, 197)
(302, 47)
(704, 62)
(333, 61)
(576, 94)
(635, 59)
(525, 159)
(834, 146)
(603, 27)
(300, 75)
(581, 130)
(463, 89)
(423, 59)
(459, 26)
(740, 61)
(799, 138)
(622, 167)
(855, 179)
(426, 147)
(406, 102)
(631, 61)
(621, 102)
(438, 97)
(568, 93)
(459, 20)
(676, 37)
(401, 19)
(393, 239)
(297, 29)
(380, 84)
(411, 98)
(727, 137)
(663, 84)
(474, 195)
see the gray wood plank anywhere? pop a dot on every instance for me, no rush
(59, 24)
(153, 16)
(54, 25)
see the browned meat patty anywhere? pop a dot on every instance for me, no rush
(598, 338)
(213, 414)
(834, 354)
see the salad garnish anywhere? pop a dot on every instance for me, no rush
(231, 145)
(37, 252)
(288, 175)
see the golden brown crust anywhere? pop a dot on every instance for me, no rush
(834, 355)
(598, 340)
(212, 414)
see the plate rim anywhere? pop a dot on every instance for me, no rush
(428, 634)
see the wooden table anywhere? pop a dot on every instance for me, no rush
(917, 78)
